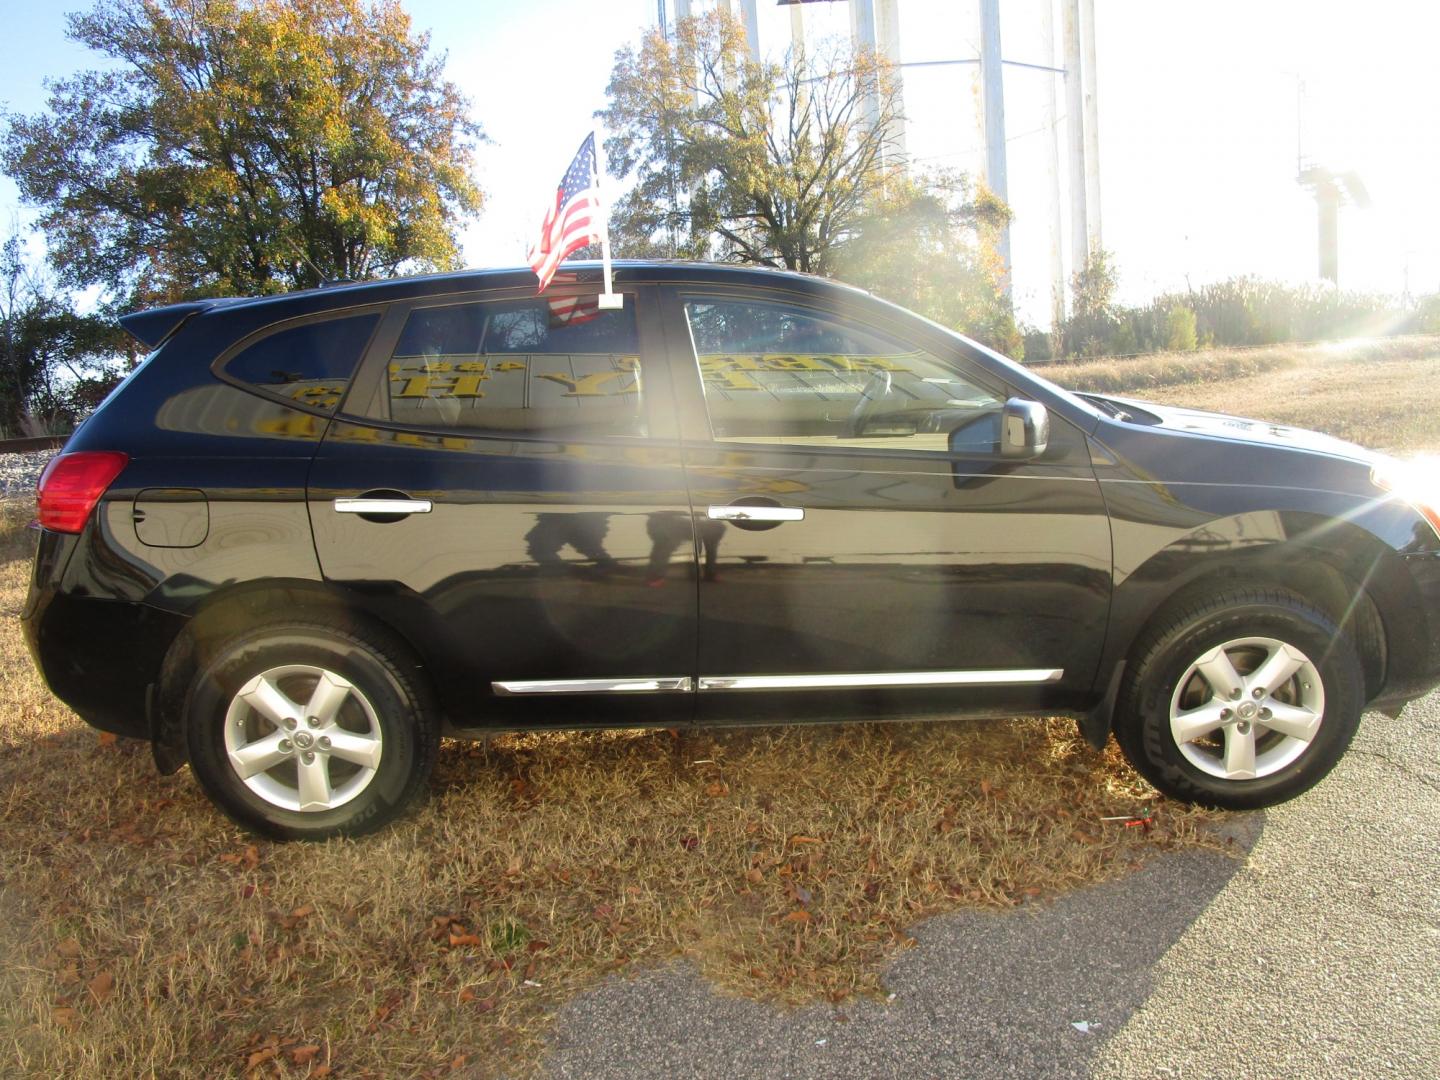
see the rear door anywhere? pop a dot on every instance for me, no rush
(505, 487)
(863, 545)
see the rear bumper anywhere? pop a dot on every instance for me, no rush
(100, 657)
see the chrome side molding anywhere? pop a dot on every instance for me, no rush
(669, 685)
(881, 680)
(848, 681)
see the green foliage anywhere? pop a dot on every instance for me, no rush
(246, 146)
(927, 244)
(1093, 323)
(1181, 327)
(55, 365)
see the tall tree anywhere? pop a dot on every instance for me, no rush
(246, 146)
(763, 163)
(792, 165)
(55, 364)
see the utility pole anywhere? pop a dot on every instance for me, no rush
(1049, 115)
(992, 81)
(1092, 123)
(875, 28)
(1075, 128)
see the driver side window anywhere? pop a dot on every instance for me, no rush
(781, 374)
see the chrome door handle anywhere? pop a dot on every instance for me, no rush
(382, 506)
(756, 513)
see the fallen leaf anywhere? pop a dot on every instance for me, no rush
(984, 787)
(303, 911)
(108, 738)
(459, 1060)
(800, 839)
(1081, 836)
(754, 875)
(65, 1017)
(102, 986)
(301, 1055)
(717, 789)
(797, 917)
(259, 1057)
(466, 995)
(69, 948)
(460, 940)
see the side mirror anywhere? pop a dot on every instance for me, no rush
(1024, 429)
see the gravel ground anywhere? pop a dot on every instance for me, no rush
(1314, 953)
(18, 473)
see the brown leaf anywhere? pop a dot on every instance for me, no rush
(717, 789)
(319, 1071)
(301, 1055)
(65, 1017)
(466, 995)
(69, 948)
(102, 986)
(536, 946)
(797, 917)
(1081, 836)
(459, 940)
(108, 738)
(259, 1057)
(459, 1060)
(304, 911)
(251, 856)
(984, 787)
(754, 875)
(801, 839)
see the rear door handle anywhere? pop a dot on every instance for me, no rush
(756, 513)
(382, 506)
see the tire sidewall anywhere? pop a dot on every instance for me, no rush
(396, 711)
(1341, 678)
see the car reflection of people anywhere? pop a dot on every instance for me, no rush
(584, 532)
(669, 529)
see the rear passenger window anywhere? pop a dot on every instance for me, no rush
(311, 363)
(547, 368)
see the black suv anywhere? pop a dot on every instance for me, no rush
(313, 533)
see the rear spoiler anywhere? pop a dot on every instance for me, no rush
(155, 325)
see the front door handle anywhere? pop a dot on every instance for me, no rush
(756, 513)
(382, 506)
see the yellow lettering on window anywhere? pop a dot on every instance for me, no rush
(593, 385)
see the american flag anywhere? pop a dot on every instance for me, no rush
(571, 310)
(572, 220)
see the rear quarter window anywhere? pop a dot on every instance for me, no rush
(309, 363)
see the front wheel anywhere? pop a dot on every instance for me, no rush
(1240, 700)
(309, 730)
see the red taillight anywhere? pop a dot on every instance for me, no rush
(72, 484)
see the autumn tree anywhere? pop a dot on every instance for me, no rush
(247, 146)
(762, 163)
(793, 165)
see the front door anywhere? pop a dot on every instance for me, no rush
(508, 493)
(863, 545)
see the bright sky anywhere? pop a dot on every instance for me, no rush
(1198, 121)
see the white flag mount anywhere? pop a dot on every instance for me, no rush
(609, 300)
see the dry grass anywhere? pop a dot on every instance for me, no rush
(145, 935)
(1217, 367)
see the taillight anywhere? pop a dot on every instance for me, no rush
(72, 484)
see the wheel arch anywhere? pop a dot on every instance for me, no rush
(230, 611)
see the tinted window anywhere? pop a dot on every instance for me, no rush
(311, 363)
(780, 374)
(545, 367)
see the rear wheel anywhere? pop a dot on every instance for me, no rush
(1240, 700)
(309, 730)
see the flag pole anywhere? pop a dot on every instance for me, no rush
(609, 299)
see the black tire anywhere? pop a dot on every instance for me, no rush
(1240, 620)
(385, 710)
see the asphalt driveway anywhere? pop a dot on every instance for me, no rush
(1314, 952)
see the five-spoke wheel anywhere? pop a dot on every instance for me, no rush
(1240, 699)
(309, 730)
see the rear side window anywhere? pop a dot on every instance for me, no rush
(311, 363)
(547, 368)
